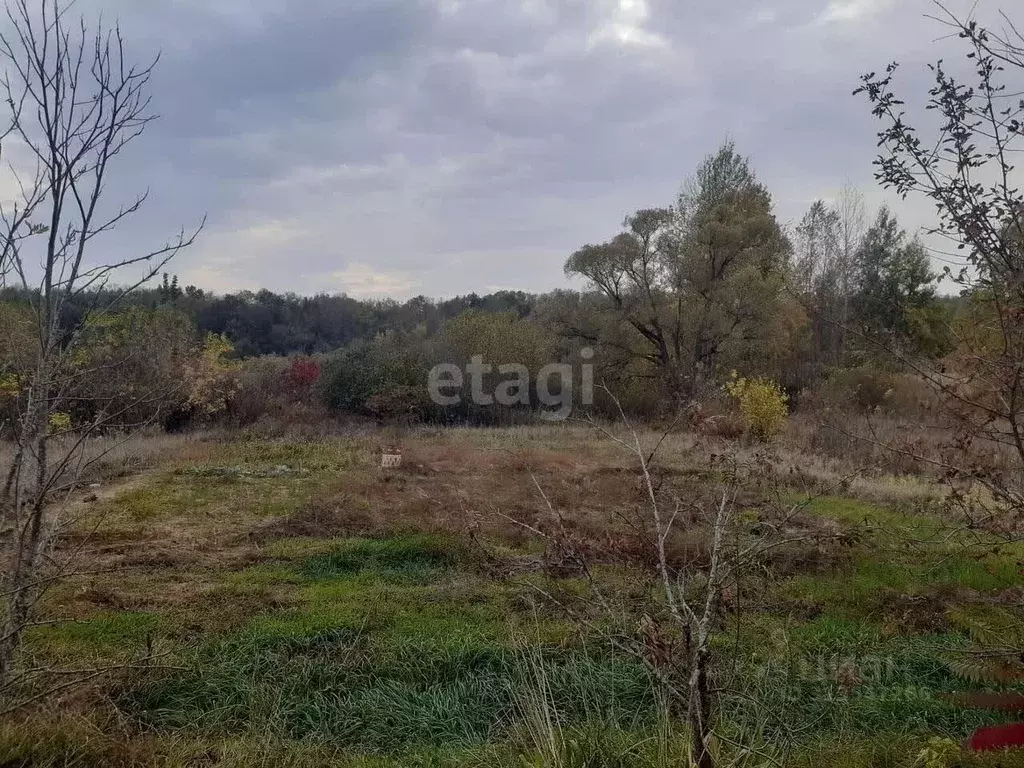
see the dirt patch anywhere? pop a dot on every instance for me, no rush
(920, 614)
(323, 519)
(812, 544)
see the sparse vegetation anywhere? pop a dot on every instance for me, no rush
(341, 614)
(809, 552)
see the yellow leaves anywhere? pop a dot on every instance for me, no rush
(10, 385)
(217, 351)
(763, 405)
(60, 422)
(939, 753)
(212, 375)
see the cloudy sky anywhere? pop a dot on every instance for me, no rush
(398, 147)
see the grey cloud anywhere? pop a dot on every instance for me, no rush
(444, 146)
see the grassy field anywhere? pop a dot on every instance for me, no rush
(296, 605)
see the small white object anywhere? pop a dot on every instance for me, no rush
(390, 460)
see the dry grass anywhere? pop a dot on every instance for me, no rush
(104, 458)
(211, 538)
(188, 514)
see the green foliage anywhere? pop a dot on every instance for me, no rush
(497, 337)
(60, 423)
(266, 323)
(386, 378)
(996, 654)
(896, 304)
(699, 285)
(19, 341)
(762, 404)
(10, 385)
(132, 365)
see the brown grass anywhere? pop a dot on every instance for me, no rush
(493, 486)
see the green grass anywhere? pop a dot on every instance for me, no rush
(408, 651)
(105, 635)
(175, 496)
(413, 558)
(332, 687)
(329, 455)
(897, 556)
(396, 645)
(391, 647)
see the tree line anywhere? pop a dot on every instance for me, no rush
(685, 296)
(709, 294)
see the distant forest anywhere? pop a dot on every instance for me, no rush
(266, 323)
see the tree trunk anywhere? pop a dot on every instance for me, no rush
(29, 535)
(700, 706)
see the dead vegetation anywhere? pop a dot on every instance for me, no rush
(217, 541)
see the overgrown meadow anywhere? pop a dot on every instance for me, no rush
(780, 520)
(297, 605)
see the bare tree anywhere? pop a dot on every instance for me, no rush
(674, 637)
(75, 104)
(966, 167)
(852, 229)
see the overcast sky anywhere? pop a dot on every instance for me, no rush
(399, 147)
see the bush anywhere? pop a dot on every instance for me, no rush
(301, 377)
(276, 389)
(762, 404)
(377, 379)
(869, 389)
(261, 390)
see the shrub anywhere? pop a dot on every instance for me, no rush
(762, 404)
(60, 422)
(869, 389)
(261, 390)
(301, 376)
(212, 377)
(378, 379)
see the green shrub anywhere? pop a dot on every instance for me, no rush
(379, 379)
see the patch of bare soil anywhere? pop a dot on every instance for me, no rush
(923, 613)
(322, 519)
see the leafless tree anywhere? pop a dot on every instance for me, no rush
(852, 228)
(966, 166)
(674, 638)
(76, 102)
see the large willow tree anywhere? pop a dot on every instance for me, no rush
(697, 287)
